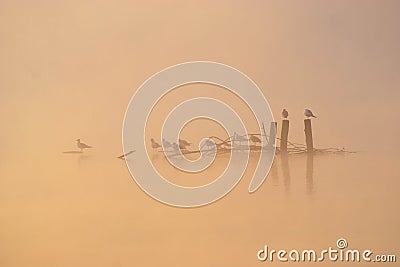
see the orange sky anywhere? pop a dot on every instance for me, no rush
(70, 67)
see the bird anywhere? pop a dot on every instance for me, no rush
(183, 144)
(154, 144)
(240, 138)
(308, 113)
(80, 145)
(175, 147)
(209, 143)
(126, 154)
(255, 139)
(285, 113)
(166, 144)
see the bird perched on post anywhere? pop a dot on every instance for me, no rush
(183, 144)
(308, 113)
(81, 146)
(255, 139)
(285, 113)
(154, 144)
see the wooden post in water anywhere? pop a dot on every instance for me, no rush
(272, 134)
(308, 133)
(284, 136)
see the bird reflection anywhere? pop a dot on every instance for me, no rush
(83, 158)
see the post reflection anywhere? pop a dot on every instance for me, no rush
(274, 174)
(285, 171)
(310, 173)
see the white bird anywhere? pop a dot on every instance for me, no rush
(209, 143)
(240, 138)
(166, 144)
(255, 139)
(308, 113)
(285, 113)
(175, 147)
(154, 144)
(183, 144)
(80, 145)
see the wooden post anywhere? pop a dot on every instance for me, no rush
(308, 133)
(284, 136)
(272, 134)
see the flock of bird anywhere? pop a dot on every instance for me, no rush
(307, 112)
(183, 144)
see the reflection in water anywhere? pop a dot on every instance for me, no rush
(310, 173)
(284, 174)
(155, 156)
(83, 158)
(274, 174)
(73, 152)
(96, 207)
(285, 171)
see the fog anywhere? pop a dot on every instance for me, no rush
(69, 69)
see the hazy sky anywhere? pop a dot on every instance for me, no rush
(68, 69)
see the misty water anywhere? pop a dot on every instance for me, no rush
(69, 69)
(87, 210)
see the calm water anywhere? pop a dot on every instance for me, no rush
(87, 211)
(69, 69)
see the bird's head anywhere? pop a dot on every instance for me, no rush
(78, 140)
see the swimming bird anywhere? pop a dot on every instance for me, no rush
(308, 113)
(81, 145)
(154, 144)
(126, 154)
(183, 144)
(255, 139)
(285, 113)
(166, 144)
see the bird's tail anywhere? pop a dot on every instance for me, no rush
(313, 116)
